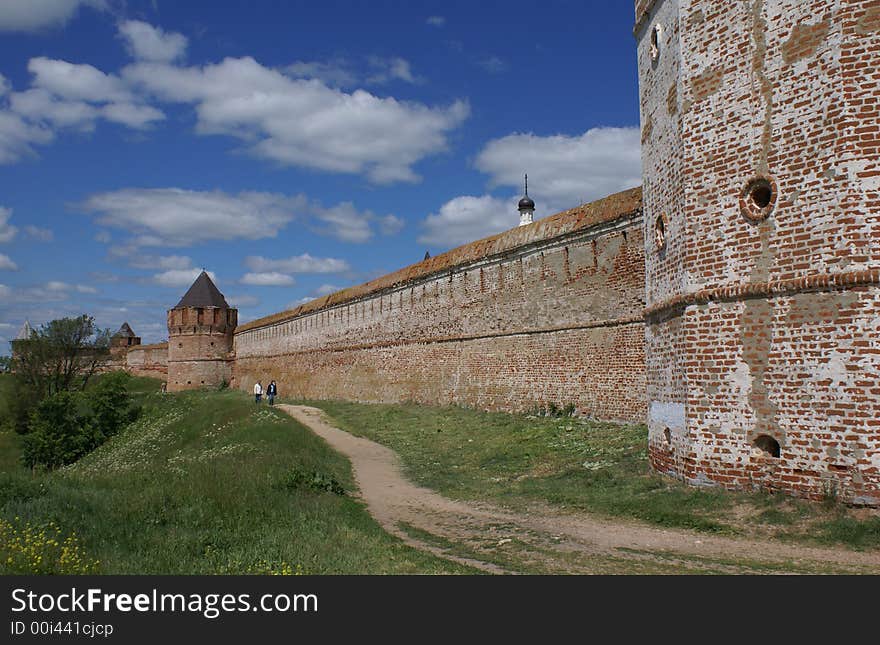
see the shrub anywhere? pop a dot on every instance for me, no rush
(59, 433)
(314, 480)
(110, 404)
(68, 425)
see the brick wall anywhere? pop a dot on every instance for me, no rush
(764, 322)
(550, 312)
(148, 360)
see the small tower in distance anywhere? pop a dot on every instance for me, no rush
(526, 206)
(122, 340)
(200, 335)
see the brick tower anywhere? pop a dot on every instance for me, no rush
(761, 164)
(200, 331)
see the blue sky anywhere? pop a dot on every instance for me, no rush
(290, 148)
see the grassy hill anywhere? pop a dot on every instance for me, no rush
(203, 482)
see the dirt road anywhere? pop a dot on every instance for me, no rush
(547, 540)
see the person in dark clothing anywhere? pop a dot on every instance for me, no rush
(272, 392)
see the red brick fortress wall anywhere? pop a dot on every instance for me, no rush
(148, 360)
(761, 147)
(546, 313)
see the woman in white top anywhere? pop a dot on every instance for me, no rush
(258, 392)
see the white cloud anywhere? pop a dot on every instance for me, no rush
(565, 171)
(177, 217)
(33, 15)
(336, 72)
(180, 277)
(69, 95)
(5, 292)
(270, 279)
(156, 262)
(304, 122)
(386, 70)
(132, 115)
(75, 81)
(243, 300)
(390, 224)
(6, 263)
(466, 218)
(7, 230)
(17, 137)
(304, 263)
(344, 222)
(146, 42)
(82, 288)
(37, 233)
(436, 21)
(103, 237)
(326, 290)
(492, 64)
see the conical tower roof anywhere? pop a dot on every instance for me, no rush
(25, 332)
(125, 331)
(203, 293)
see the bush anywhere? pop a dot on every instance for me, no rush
(20, 403)
(59, 433)
(68, 425)
(110, 404)
(314, 480)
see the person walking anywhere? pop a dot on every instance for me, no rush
(272, 392)
(258, 392)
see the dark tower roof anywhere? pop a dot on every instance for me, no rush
(125, 331)
(203, 293)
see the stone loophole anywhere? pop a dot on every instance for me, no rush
(660, 231)
(767, 445)
(667, 436)
(656, 32)
(758, 198)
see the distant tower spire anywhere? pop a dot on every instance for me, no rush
(526, 206)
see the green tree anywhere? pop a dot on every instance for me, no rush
(60, 356)
(67, 425)
(59, 432)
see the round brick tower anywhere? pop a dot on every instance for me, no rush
(200, 332)
(760, 151)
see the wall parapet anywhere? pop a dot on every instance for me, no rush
(617, 211)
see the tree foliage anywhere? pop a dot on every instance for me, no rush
(67, 425)
(60, 356)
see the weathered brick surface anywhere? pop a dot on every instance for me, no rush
(199, 345)
(148, 360)
(551, 314)
(766, 327)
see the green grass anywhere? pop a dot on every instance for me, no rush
(517, 460)
(205, 482)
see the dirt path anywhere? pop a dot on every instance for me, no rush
(548, 540)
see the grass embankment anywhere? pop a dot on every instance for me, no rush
(517, 460)
(203, 482)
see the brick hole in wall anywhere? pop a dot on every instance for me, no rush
(667, 436)
(768, 446)
(758, 198)
(660, 231)
(656, 33)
